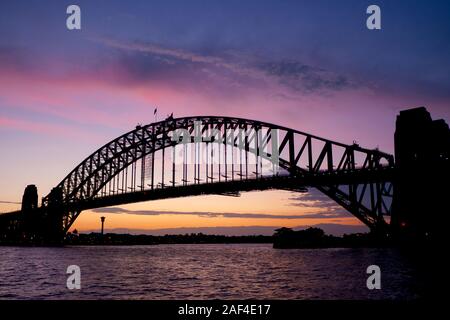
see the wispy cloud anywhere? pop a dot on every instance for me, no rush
(318, 215)
(10, 202)
(177, 54)
(44, 128)
(292, 75)
(316, 199)
(305, 78)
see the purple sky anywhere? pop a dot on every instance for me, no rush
(308, 65)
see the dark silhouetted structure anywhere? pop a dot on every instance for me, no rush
(30, 198)
(29, 210)
(421, 189)
(286, 238)
(103, 223)
(366, 182)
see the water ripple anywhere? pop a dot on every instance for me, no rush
(235, 271)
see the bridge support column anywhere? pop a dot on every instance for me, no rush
(30, 215)
(420, 207)
(53, 221)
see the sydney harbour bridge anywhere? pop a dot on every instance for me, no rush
(204, 155)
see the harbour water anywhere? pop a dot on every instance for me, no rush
(205, 271)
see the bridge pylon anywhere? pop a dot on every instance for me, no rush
(41, 225)
(421, 185)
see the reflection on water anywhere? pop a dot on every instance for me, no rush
(209, 271)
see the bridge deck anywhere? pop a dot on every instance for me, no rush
(231, 187)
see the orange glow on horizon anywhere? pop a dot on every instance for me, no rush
(267, 202)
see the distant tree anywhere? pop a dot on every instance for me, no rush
(283, 231)
(312, 233)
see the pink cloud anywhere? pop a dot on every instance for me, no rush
(108, 96)
(44, 128)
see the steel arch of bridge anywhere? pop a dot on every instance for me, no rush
(358, 179)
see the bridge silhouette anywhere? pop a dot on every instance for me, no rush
(203, 155)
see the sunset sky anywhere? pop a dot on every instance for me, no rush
(307, 65)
